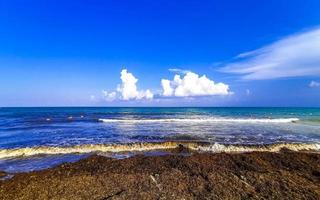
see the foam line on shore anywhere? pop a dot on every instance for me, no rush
(203, 120)
(132, 147)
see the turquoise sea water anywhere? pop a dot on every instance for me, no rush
(35, 138)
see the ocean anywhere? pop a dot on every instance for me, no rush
(38, 138)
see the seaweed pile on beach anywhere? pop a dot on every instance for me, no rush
(255, 175)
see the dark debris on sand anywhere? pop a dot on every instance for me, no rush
(284, 175)
(2, 174)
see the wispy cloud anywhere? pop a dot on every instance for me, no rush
(248, 92)
(92, 97)
(294, 56)
(180, 71)
(314, 84)
(109, 96)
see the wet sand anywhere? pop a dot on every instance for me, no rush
(255, 175)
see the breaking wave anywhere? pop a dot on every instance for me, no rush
(135, 147)
(203, 120)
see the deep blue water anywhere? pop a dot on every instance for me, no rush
(65, 127)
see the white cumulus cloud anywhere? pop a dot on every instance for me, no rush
(128, 87)
(314, 84)
(166, 86)
(293, 56)
(193, 85)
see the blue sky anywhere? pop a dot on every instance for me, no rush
(71, 53)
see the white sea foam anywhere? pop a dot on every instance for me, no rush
(203, 120)
(117, 148)
(263, 148)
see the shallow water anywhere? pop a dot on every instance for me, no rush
(23, 131)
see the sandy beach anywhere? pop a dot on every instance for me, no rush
(255, 175)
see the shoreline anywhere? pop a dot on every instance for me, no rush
(252, 175)
(196, 146)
